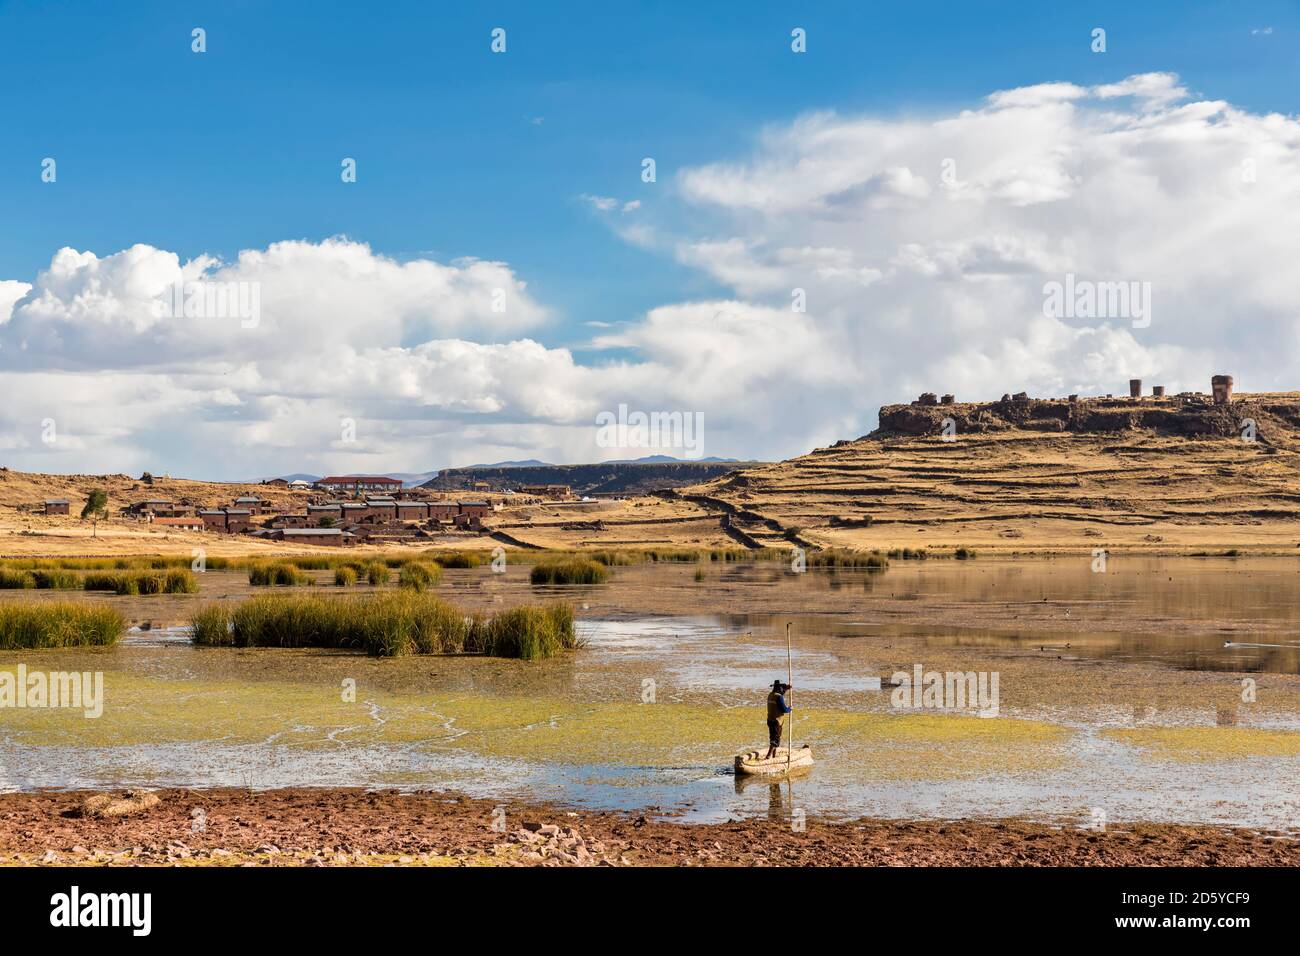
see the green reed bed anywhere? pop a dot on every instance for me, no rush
(457, 559)
(12, 579)
(391, 624)
(59, 624)
(175, 581)
(278, 573)
(530, 633)
(569, 571)
(418, 575)
(147, 562)
(57, 580)
(844, 558)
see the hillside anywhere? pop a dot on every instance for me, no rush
(1156, 474)
(623, 478)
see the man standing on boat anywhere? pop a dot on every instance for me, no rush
(777, 708)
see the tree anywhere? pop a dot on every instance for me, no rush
(96, 508)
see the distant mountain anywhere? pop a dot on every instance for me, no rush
(411, 479)
(609, 477)
(300, 476)
(661, 459)
(527, 463)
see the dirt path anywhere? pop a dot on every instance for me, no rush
(352, 827)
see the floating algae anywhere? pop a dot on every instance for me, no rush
(1192, 744)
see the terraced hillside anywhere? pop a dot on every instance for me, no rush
(1159, 474)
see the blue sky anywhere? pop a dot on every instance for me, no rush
(466, 154)
(240, 147)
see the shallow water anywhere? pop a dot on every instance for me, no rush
(1117, 696)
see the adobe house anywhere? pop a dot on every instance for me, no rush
(443, 510)
(332, 537)
(317, 513)
(1221, 385)
(288, 521)
(474, 509)
(356, 484)
(412, 510)
(251, 503)
(354, 510)
(238, 519)
(182, 524)
(57, 506)
(214, 519)
(277, 482)
(150, 506)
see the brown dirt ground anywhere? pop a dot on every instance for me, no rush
(352, 827)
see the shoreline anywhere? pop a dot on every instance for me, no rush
(303, 826)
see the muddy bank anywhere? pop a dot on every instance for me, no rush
(322, 827)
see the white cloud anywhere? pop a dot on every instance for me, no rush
(921, 245)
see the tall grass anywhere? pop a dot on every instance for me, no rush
(278, 572)
(10, 579)
(530, 632)
(175, 581)
(843, 558)
(57, 580)
(378, 573)
(211, 624)
(457, 559)
(390, 624)
(569, 571)
(155, 562)
(345, 576)
(417, 576)
(59, 624)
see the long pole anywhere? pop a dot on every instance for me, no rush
(789, 675)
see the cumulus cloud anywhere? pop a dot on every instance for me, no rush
(861, 260)
(923, 246)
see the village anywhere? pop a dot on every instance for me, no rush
(335, 511)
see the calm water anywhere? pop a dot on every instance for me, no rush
(649, 714)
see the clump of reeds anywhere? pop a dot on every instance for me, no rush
(12, 580)
(530, 633)
(390, 624)
(569, 571)
(345, 576)
(56, 579)
(175, 581)
(457, 559)
(59, 624)
(278, 573)
(611, 558)
(964, 554)
(844, 558)
(909, 554)
(417, 575)
(378, 573)
(211, 625)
